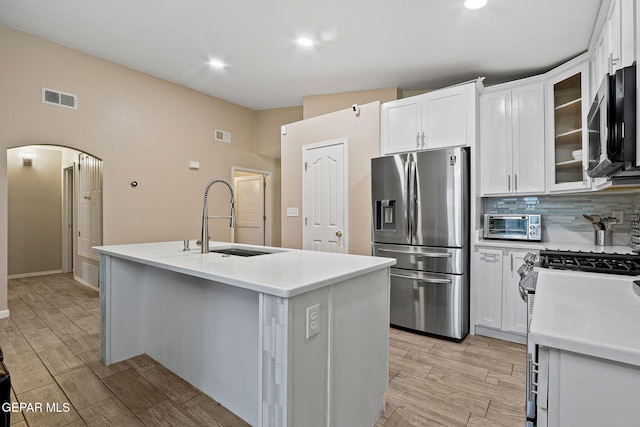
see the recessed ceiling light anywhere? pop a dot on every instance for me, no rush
(216, 63)
(305, 42)
(475, 4)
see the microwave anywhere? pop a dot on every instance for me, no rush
(611, 125)
(513, 227)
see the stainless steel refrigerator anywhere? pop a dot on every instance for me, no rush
(420, 204)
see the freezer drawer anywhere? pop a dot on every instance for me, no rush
(425, 258)
(430, 302)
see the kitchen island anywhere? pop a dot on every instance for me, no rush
(287, 338)
(586, 327)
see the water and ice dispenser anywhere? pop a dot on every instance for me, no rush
(385, 215)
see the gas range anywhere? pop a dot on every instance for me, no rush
(576, 263)
(592, 262)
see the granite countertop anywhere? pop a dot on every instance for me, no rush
(588, 313)
(283, 272)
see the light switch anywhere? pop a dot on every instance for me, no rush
(292, 211)
(194, 165)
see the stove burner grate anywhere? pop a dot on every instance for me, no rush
(625, 264)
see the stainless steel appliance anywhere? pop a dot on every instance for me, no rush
(590, 262)
(513, 227)
(612, 125)
(527, 288)
(420, 204)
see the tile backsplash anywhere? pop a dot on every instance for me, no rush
(564, 213)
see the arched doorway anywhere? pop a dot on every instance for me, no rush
(54, 212)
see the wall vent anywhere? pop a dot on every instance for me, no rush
(91, 274)
(223, 136)
(62, 99)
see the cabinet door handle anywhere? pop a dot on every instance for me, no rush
(417, 139)
(424, 140)
(515, 180)
(509, 182)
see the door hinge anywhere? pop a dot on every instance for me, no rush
(305, 220)
(305, 165)
(264, 218)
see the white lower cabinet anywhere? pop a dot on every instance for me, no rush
(486, 280)
(499, 310)
(515, 309)
(579, 390)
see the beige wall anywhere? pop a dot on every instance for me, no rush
(143, 128)
(363, 134)
(317, 105)
(35, 212)
(268, 123)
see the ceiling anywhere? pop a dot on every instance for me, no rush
(360, 44)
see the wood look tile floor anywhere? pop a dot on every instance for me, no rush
(51, 347)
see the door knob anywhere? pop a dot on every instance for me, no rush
(339, 233)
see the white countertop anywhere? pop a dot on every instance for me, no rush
(557, 245)
(284, 273)
(566, 241)
(588, 313)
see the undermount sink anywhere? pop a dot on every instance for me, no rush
(239, 252)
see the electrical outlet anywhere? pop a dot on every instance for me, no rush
(313, 320)
(619, 215)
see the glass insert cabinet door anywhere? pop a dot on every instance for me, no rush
(568, 103)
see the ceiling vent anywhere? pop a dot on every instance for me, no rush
(223, 136)
(62, 99)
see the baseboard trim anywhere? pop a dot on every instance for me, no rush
(85, 283)
(37, 273)
(4, 314)
(501, 335)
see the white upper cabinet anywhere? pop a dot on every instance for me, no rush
(568, 102)
(512, 140)
(614, 46)
(442, 118)
(401, 125)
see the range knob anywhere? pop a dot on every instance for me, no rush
(523, 270)
(530, 259)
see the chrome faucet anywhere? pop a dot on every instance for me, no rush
(205, 214)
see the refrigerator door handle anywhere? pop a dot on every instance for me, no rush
(423, 279)
(412, 196)
(423, 254)
(411, 175)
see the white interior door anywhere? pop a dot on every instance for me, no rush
(250, 209)
(324, 197)
(90, 205)
(67, 219)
